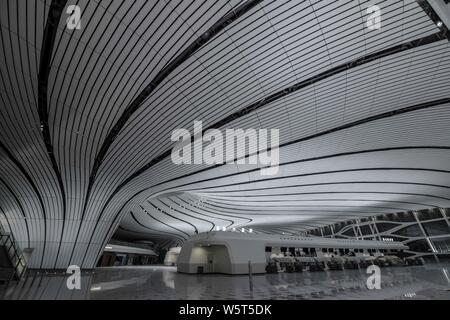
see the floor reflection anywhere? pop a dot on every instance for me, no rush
(159, 282)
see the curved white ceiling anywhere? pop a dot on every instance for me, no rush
(87, 117)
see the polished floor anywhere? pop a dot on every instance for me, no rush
(431, 281)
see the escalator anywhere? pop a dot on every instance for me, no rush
(13, 262)
(7, 270)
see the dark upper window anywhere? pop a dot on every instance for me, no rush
(419, 246)
(337, 227)
(436, 228)
(406, 217)
(365, 230)
(410, 231)
(383, 227)
(349, 232)
(389, 217)
(397, 217)
(424, 215)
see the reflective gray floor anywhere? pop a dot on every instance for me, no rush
(431, 281)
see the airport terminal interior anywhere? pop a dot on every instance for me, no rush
(229, 150)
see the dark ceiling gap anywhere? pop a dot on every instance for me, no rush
(48, 41)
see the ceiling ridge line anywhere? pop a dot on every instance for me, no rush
(173, 217)
(186, 214)
(163, 232)
(199, 207)
(160, 221)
